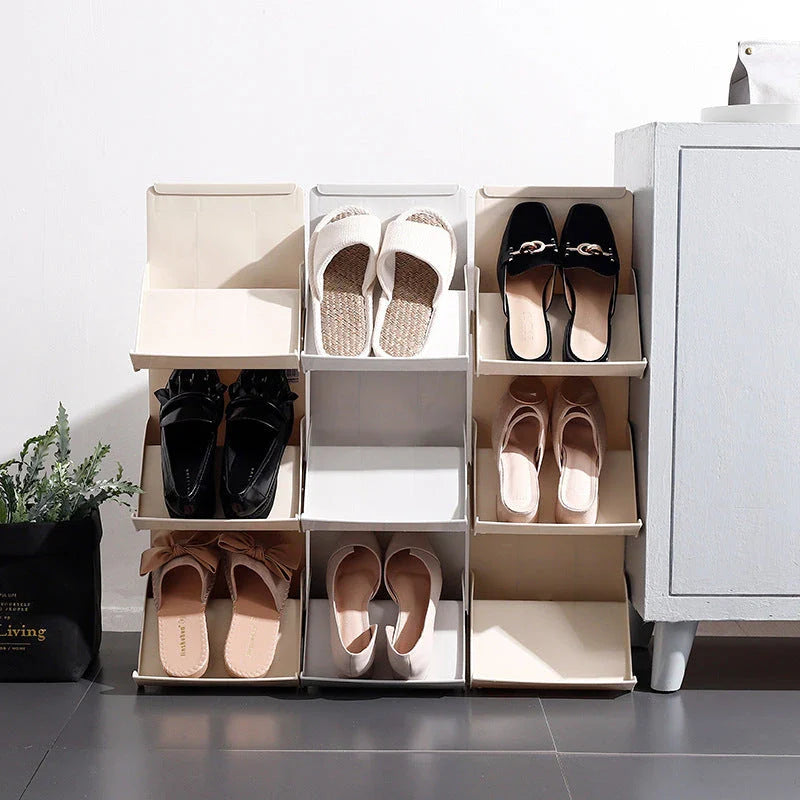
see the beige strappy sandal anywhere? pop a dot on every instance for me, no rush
(519, 438)
(415, 267)
(579, 445)
(182, 576)
(259, 572)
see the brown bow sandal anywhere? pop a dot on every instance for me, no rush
(182, 576)
(259, 573)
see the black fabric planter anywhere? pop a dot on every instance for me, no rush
(49, 599)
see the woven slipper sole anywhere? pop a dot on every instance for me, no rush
(343, 310)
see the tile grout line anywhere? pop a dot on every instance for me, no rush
(555, 748)
(35, 773)
(55, 739)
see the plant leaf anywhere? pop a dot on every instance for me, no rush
(62, 432)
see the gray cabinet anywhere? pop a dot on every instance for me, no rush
(716, 418)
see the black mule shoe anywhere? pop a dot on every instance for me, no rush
(526, 271)
(191, 410)
(259, 420)
(590, 270)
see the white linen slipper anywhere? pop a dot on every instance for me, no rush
(415, 267)
(342, 256)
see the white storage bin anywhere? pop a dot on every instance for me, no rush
(448, 668)
(386, 451)
(447, 345)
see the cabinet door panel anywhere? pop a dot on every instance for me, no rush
(736, 493)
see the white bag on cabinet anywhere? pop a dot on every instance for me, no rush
(766, 73)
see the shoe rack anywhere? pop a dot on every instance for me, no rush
(222, 290)
(387, 450)
(549, 601)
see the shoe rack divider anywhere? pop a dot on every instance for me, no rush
(222, 290)
(548, 601)
(387, 450)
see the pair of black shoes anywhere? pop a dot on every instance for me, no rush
(258, 422)
(529, 259)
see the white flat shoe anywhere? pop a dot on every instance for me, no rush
(414, 580)
(579, 445)
(353, 578)
(519, 437)
(415, 267)
(342, 257)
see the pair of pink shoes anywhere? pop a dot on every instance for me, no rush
(182, 574)
(413, 578)
(519, 438)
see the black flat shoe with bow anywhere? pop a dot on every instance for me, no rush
(590, 270)
(259, 421)
(526, 271)
(191, 410)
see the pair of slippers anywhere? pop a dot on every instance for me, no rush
(182, 575)
(414, 265)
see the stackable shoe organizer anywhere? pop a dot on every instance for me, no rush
(549, 601)
(387, 451)
(222, 289)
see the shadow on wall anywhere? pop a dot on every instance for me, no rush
(120, 424)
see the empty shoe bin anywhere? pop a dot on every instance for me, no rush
(617, 511)
(446, 347)
(493, 206)
(549, 612)
(386, 451)
(150, 512)
(222, 285)
(448, 666)
(285, 668)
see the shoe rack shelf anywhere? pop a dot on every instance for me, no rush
(447, 345)
(222, 290)
(493, 205)
(385, 445)
(222, 284)
(388, 449)
(548, 601)
(448, 665)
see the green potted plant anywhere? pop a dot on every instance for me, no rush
(50, 533)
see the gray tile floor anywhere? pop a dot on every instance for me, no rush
(733, 732)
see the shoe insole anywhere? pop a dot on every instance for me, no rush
(248, 445)
(519, 479)
(527, 325)
(592, 295)
(577, 488)
(343, 310)
(411, 583)
(182, 631)
(255, 624)
(408, 315)
(188, 447)
(353, 587)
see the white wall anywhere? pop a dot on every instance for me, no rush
(98, 99)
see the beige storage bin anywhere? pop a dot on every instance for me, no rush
(493, 206)
(222, 285)
(617, 512)
(285, 669)
(549, 612)
(151, 513)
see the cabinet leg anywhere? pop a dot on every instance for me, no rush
(672, 644)
(641, 631)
